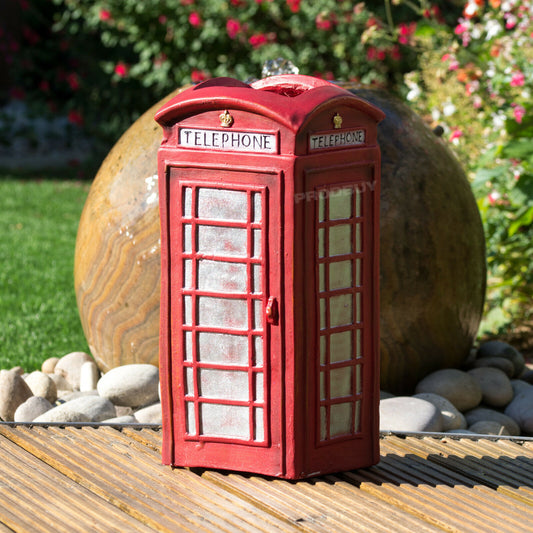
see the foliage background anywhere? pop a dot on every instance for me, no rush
(464, 65)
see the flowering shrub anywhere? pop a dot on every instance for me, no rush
(480, 91)
(122, 55)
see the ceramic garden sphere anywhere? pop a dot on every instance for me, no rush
(432, 256)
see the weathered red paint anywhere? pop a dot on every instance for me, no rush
(269, 205)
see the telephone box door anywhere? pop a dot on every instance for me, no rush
(342, 307)
(226, 356)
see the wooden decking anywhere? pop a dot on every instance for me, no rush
(89, 479)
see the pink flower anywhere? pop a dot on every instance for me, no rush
(198, 75)
(257, 40)
(518, 112)
(105, 14)
(518, 79)
(195, 20)
(460, 29)
(233, 27)
(162, 19)
(456, 134)
(121, 69)
(395, 53)
(75, 117)
(493, 197)
(294, 5)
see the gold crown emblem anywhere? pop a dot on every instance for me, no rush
(226, 120)
(337, 121)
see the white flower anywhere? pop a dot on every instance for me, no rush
(448, 109)
(493, 27)
(414, 93)
(498, 119)
(435, 114)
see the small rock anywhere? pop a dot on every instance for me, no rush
(527, 375)
(461, 389)
(62, 384)
(484, 414)
(149, 415)
(84, 409)
(519, 386)
(57, 415)
(89, 376)
(521, 410)
(404, 413)
(49, 365)
(502, 349)
(452, 418)
(42, 384)
(13, 392)
(69, 366)
(131, 385)
(31, 409)
(123, 410)
(495, 386)
(488, 427)
(18, 370)
(126, 419)
(74, 395)
(505, 365)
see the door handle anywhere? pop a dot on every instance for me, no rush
(271, 311)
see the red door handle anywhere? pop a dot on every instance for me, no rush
(271, 311)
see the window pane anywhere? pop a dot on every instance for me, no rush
(225, 420)
(187, 356)
(223, 384)
(341, 310)
(259, 387)
(187, 310)
(191, 420)
(340, 204)
(221, 276)
(222, 348)
(258, 351)
(340, 275)
(187, 273)
(259, 424)
(187, 202)
(187, 239)
(222, 313)
(222, 204)
(257, 207)
(341, 348)
(341, 419)
(340, 382)
(340, 239)
(222, 241)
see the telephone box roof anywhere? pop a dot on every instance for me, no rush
(290, 100)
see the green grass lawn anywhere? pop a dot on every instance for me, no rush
(38, 312)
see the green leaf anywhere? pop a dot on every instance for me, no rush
(525, 220)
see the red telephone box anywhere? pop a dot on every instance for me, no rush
(269, 293)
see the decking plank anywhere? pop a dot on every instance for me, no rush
(106, 479)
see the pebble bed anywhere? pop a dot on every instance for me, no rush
(491, 395)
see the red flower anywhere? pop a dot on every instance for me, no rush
(406, 31)
(73, 81)
(121, 69)
(198, 75)
(105, 14)
(257, 40)
(456, 134)
(195, 20)
(44, 86)
(324, 21)
(17, 94)
(233, 27)
(294, 5)
(395, 53)
(75, 117)
(162, 19)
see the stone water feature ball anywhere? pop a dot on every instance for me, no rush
(432, 251)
